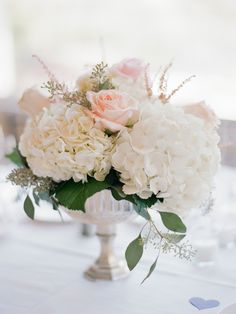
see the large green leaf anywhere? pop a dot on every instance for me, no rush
(29, 207)
(153, 266)
(16, 157)
(73, 195)
(172, 222)
(134, 252)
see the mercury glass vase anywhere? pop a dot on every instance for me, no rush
(105, 212)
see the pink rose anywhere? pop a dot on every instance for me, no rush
(202, 111)
(32, 101)
(112, 110)
(130, 68)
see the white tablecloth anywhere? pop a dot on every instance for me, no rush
(42, 264)
(41, 272)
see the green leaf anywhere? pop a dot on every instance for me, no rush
(134, 252)
(29, 207)
(172, 222)
(113, 179)
(44, 196)
(149, 202)
(115, 193)
(143, 204)
(142, 211)
(36, 198)
(54, 203)
(140, 204)
(16, 158)
(73, 195)
(153, 266)
(174, 237)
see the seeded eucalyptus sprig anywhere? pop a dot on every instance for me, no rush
(25, 178)
(169, 242)
(77, 97)
(183, 250)
(99, 81)
(56, 89)
(99, 78)
(40, 188)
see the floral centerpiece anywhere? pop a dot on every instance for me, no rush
(113, 131)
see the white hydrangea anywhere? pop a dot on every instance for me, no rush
(170, 153)
(62, 143)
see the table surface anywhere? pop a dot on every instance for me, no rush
(42, 264)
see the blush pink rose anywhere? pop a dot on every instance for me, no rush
(32, 101)
(130, 68)
(112, 110)
(202, 111)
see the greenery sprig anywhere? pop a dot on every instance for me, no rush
(99, 78)
(162, 242)
(56, 89)
(25, 178)
(41, 188)
(99, 81)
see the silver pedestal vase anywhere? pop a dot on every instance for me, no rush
(105, 212)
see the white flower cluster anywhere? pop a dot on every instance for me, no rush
(62, 143)
(169, 153)
(156, 148)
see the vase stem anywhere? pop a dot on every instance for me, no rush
(107, 266)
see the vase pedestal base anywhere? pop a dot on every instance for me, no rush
(96, 272)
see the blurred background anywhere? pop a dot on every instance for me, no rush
(198, 35)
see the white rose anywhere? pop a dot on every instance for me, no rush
(32, 101)
(129, 77)
(2, 143)
(202, 111)
(84, 82)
